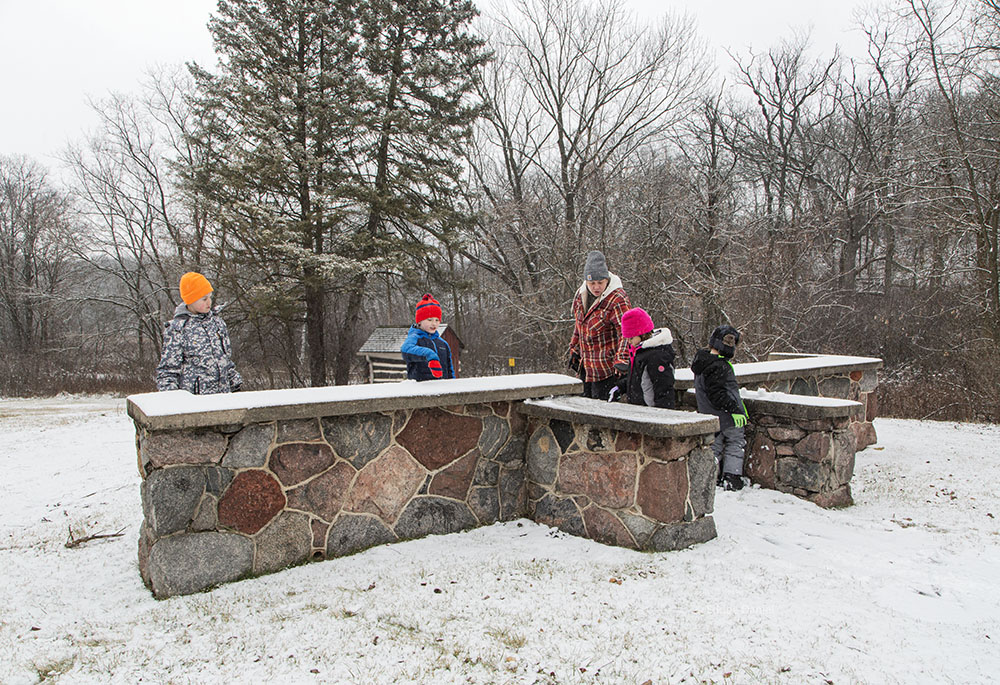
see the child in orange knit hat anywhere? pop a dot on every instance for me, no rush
(197, 354)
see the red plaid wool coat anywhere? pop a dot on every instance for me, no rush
(597, 333)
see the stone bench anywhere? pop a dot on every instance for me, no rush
(625, 475)
(249, 483)
(799, 444)
(815, 375)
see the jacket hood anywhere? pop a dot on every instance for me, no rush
(614, 283)
(703, 358)
(182, 311)
(420, 331)
(660, 337)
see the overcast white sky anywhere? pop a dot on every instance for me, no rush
(55, 54)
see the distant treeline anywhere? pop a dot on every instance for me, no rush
(343, 159)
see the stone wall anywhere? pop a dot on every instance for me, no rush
(222, 504)
(812, 375)
(624, 475)
(801, 447)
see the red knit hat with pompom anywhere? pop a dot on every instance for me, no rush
(428, 307)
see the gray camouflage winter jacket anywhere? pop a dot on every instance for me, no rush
(197, 355)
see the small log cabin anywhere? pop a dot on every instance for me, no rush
(385, 361)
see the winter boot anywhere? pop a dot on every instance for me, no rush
(731, 481)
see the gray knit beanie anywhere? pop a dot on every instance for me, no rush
(595, 268)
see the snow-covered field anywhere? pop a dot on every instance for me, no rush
(902, 587)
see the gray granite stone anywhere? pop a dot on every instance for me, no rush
(560, 513)
(804, 386)
(799, 473)
(187, 563)
(869, 380)
(360, 438)
(513, 451)
(217, 479)
(485, 505)
(701, 477)
(543, 456)
(512, 494)
(352, 533)
(426, 515)
(170, 497)
(835, 386)
(207, 515)
(640, 527)
(285, 541)
(496, 432)
(487, 473)
(248, 449)
(675, 536)
(565, 433)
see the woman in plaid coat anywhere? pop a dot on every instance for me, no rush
(597, 344)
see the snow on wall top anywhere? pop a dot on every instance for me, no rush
(791, 367)
(631, 418)
(181, 409)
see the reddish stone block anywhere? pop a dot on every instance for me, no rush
(759, 464)
(436, 438)
(871, 407)
(628, 442)
(295, 462)
(605, 527)
(784, 450)
(814, 447)
(864, 435)
(607, 478)
(501, 409)
(325, 494)
(663, 491)
(841, 497)
(251, 501)
(667, 449)
(384, 486)
(319, 531)
(856, 375)
(455, 480)
(299, 430)
(163, 448)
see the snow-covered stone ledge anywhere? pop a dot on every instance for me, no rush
(815, 375)
(246, 484)
(622, 474)
(799, 444)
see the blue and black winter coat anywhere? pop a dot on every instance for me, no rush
(419, 348)
(716, 388)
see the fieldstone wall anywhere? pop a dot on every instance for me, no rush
(806, 450)
(812, 375)
(593, 471)
(228, 502)
(857, 385)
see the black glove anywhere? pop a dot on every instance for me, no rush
(574, 362)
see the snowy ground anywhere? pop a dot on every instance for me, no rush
(903, 587)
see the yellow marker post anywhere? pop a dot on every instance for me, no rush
(510, 363)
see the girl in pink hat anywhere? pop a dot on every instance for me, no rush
(650, 378)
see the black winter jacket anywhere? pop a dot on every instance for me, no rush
(716, 388)
(650, 379)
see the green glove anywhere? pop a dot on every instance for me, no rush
(740, 420)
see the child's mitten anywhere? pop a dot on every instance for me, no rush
(435, 367)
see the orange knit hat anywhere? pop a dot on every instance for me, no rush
(194, 286)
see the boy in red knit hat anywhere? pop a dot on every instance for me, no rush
(197, 355)
(426, 353)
